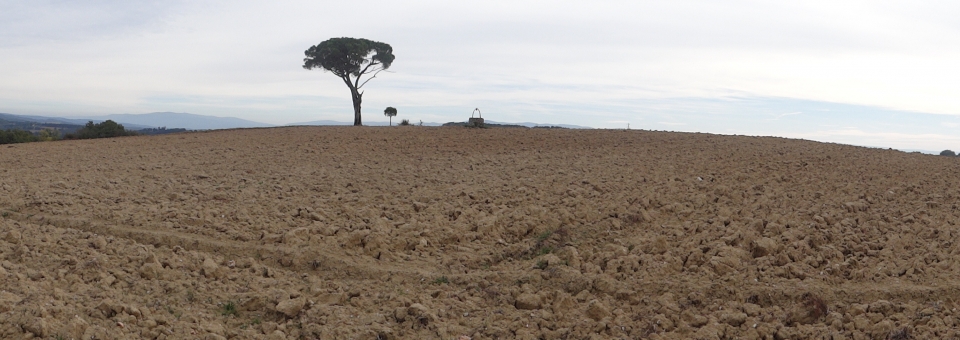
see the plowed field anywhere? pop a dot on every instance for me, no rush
(455, 233)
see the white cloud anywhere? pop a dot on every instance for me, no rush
(569, 62)
(907, 141)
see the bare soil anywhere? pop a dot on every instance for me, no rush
(455, 233)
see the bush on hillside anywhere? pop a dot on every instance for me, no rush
(17, 136)
(947, 153)
(47, 135)
(106, 129)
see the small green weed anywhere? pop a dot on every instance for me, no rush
(254, 322)
(548, 241)
(441, 280)
(541, 264)
(228, 308)
(544, 236)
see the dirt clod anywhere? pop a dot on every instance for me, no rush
(422, 233)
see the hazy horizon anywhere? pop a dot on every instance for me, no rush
(860, 73)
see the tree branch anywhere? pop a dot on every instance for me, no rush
(368, 79)
(346, 79)
(364, 71)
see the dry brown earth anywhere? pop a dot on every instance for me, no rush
(406, 232)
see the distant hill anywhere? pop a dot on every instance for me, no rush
(489, 122)
(7, 117)
(528, 124)
(187, 121)
(34, 124)
(24, 122)
(337, 123)
(174, 120)
(170, 120)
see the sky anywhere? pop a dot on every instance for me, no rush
(871, 73)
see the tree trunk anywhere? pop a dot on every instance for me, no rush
(357, 98)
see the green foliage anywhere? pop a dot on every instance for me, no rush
(106, 129)
(405, 122)
(12, 136)
(441, 280)
(350, 59)
(390, 111)
(17, 136)
(47, 135)
(160, 131)
(541, 264)
(544, 236)
(948, 153)
(228, 308)
(544, 250)
(348, 56)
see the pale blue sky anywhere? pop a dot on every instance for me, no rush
(875, 73)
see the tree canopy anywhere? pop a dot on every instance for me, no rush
(391, 112)
(350, 59)
(105, 129)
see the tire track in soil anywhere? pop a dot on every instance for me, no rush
(318, 262)
(329, 266)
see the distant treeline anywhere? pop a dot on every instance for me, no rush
(494, 125)
(160, 131)
(91, 130)
(106, 129)
(37, 127)
(12, 136)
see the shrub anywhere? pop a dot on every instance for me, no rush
(17, 136)
(106, 129)
(947, 153)
(47, 135)
(228, 308)
(405, 122)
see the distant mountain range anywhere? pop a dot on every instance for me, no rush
(181, 120)
(174, 120)
(525, 124)
(171, 120)
(530, 125)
